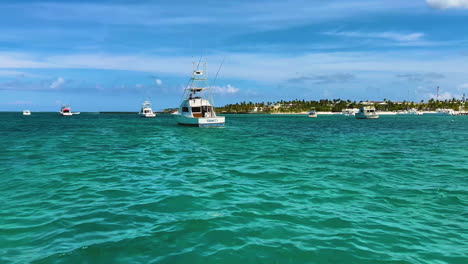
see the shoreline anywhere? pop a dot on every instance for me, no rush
(334, 113)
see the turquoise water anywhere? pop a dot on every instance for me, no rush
(264, 189)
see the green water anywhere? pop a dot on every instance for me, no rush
(264, 189)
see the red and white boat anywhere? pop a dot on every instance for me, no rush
(66, 111)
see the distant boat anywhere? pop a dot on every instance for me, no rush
(442, 112)
(196, 109)
(312, 113)
(146, 110)
(350, 111)
(66, 111)
(367, 112)
(414, 111)
(26, 112)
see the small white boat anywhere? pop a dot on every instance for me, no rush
(442, 112)
(66, 111)
(26, 112)
(414, 111)
(146, 110)
(367, 112)
(350, 111)
(312, 113)
(195, 109)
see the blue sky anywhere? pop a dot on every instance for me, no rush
(112, 55)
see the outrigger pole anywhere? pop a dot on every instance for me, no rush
(216, 78)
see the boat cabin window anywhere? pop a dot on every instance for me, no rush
(185, 109)
(196, 109)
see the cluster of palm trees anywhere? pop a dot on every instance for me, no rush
(337, 105)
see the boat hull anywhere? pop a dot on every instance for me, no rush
(66, 114)
(147, 115)
(367, 116)
(218, 121)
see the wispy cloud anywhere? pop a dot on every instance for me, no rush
(258, 66)
(394, 36)
(421, 77)
(255, 15)
(10, 73)
(325, 78)
(223, 90)
(445, 4)
(57, 83)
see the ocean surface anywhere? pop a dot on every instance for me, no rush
(108, 188)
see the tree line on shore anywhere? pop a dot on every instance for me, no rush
(337, 105)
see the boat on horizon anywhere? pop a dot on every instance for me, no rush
(146, 110)
(65, 110)
(367, 112)
(26, 112)
(442, 112)
(196, 109)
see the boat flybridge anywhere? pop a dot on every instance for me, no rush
(146, 110)
(196, 109)
(66, 111)
(26, 112)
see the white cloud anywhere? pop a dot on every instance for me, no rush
(395, 36)
(57, 83)
(158, 82)
(445, 4)
(228, 89)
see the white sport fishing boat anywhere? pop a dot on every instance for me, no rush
(26, 112)
(146, 110)
(66, 111)
(196, 109)
(367, 112)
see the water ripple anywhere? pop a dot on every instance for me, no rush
(264, 189)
